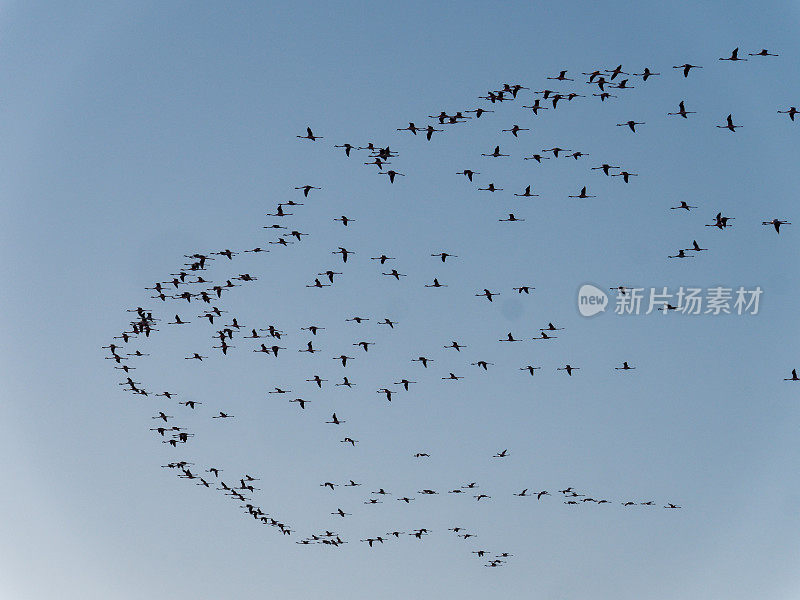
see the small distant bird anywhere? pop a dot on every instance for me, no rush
(412, 128)
(686, 68)
(776, 223)
(310, 135)
(394, 273)
(453, 377)
(496, 153)
(537, 157)
(423, 360)
(562, 76)
(682, 111)
(479, 111)
(526, 193)
(631, 124)
(734, 56)
(306, 189)
(762, 52)
(347, 148)
(695, 247)
(345, 220)
(335, 420)
(429, 130)
(514, 130)
(392, 175)
(583, 194)
(344, 252)
(616, 71)
(605, 168)
(729, 124)
(646, 73)
(536, 107)
(625, 175)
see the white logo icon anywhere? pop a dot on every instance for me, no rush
(591, 300)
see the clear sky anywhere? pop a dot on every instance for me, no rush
(137, 133)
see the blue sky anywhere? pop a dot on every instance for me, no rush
(137, 133)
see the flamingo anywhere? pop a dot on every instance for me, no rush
(686, 68)
(514, 130)
(776, 223)
(631, 124)
(734, 56)
(583, 194)
(310, 135)
(729, 124)
(562, 76)
(696, 247)
(646, 73)
(682, 111)
(496, 153)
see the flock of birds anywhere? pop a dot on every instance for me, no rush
(602, 78)
(192, 286)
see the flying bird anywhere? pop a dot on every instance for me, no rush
(631, 124)
(310, 135)
(686, 68)
(682, 111)
(729, 124)
(734, 56)
(776, 223)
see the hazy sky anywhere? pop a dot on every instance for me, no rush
(137, 133)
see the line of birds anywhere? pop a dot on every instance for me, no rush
(570, 495)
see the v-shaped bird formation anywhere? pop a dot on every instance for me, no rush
(200, 295)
